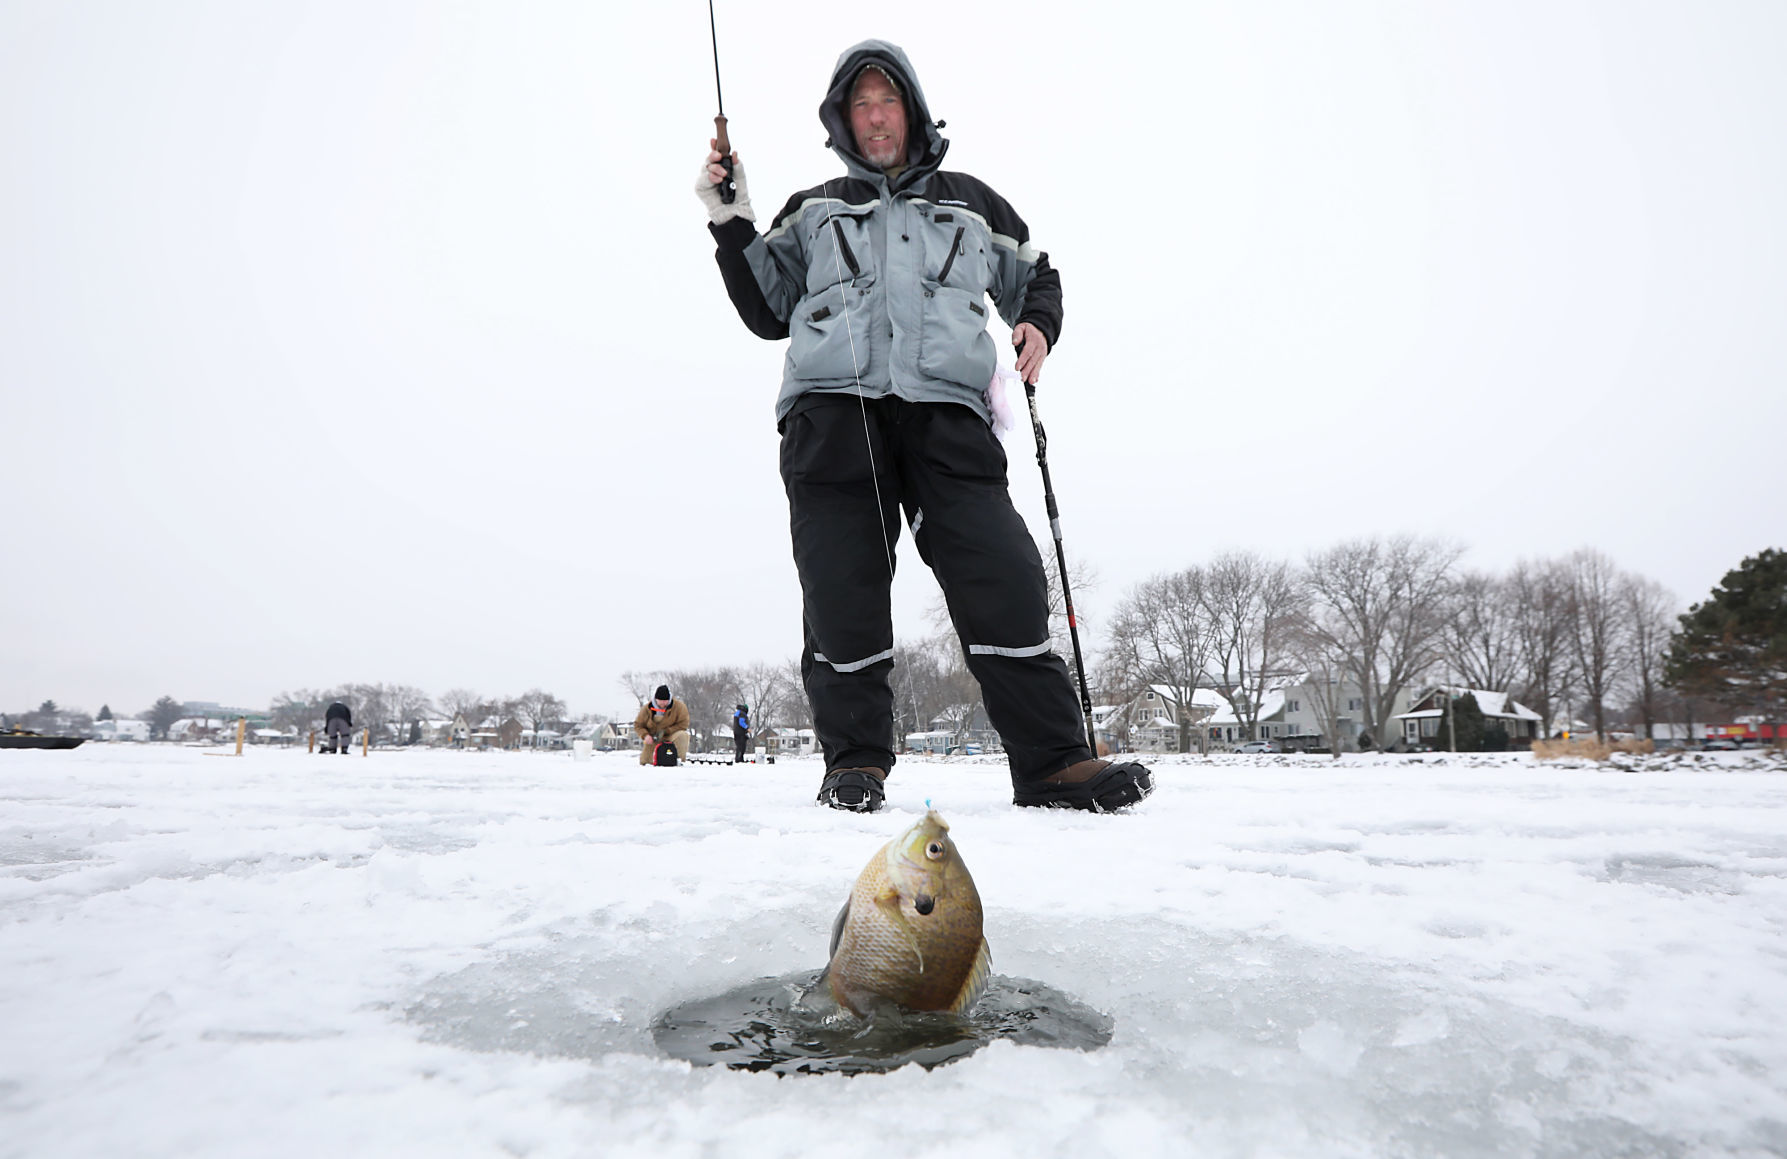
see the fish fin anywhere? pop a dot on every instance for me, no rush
(837, 928)
(889, 902)
(976, 983)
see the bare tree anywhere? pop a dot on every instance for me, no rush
(1380, 603)
(1478, 632)
(461, 702)
(372, 707)
(1651, 611)
(641, 685)
(1328, 679)
(409, 705)
(1539, 604)
(708, 693)
(1600, 641)
(1249, 604)
(1161, 635)
(1082, 578)
(539, 708)
(764, 688)
(797, 712)
(298, 711)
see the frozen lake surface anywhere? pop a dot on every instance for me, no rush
(439, 953)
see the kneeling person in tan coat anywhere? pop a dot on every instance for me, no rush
(664, 719)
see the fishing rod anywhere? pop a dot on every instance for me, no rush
(728, 188)
(1048, 495)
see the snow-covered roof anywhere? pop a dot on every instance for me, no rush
(1498, 705)
(1270, 705)
(1200, 697)
(1501, 704)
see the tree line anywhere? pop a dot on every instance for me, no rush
(1377, 617)
(1368, 619)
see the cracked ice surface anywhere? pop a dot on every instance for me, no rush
(437, 953)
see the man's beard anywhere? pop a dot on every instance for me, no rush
(881, 154)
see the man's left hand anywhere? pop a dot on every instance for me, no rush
(1032, 349)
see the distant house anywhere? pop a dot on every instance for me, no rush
(788, 742)
(967, 724)
(1153, 719)
(496, 733)
(937, 742)
(120, 730)
(198, 728)
(1292, 711)
(1424, 724)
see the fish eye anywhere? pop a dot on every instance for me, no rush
(934, 850)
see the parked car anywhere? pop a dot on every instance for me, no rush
(1720, 744)
(1259, 746)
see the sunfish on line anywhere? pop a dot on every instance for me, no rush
(910, 932)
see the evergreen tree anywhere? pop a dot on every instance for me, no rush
(105, 712)
(162, 717)
(1733, 647)
(1466, 726)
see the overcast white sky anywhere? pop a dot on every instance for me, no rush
(383, 341)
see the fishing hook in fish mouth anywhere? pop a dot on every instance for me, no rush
(924, 903)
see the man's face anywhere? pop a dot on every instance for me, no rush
(878, 117)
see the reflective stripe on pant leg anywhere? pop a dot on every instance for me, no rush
(850, 666)
(837, 530)
(995, 650)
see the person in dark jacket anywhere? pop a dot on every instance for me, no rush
(338, 725)
(741, 734)
(880, 280)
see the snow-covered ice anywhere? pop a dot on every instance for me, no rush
(441, 953)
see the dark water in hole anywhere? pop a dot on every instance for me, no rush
(766, 1026)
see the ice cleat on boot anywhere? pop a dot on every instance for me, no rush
(1097, 786)
(853, 790)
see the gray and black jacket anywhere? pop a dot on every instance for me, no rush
(884, 286)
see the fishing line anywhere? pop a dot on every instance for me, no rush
(837, 257)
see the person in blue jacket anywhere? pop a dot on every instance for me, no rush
(741, 734)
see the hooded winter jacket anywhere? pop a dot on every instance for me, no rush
(882, 285)
(662, 724)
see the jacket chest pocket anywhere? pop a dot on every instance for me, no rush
(955, 250)
(841, 250)
(829, 334)
(953, 343)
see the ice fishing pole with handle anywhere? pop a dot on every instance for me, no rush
(1048, 495)
(728, 188)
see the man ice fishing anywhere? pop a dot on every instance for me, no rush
(880, 278)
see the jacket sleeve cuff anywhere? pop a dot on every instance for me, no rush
(1049, 333)
(733, 236)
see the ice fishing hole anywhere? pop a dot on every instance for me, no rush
(765, 1026)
